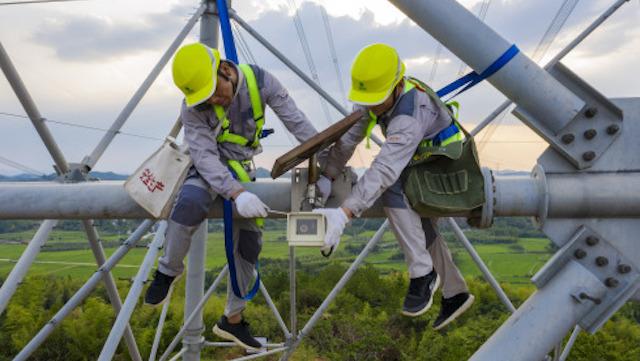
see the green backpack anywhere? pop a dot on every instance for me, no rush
(444, 180)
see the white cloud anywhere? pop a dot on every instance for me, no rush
(82, 61)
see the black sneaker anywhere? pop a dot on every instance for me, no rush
(451, 308)
(236, 332)
(157, 292)
(419, 297)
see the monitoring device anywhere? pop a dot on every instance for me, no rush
(305, 229)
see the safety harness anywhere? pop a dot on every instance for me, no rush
(240, 168)
(445, 137)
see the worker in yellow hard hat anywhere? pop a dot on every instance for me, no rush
(409, 117)
(223, 118)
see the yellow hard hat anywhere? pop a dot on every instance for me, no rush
(195, 72)
(375, 72)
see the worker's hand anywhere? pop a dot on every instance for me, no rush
(337, 219)
(324, 186)
(250, 206)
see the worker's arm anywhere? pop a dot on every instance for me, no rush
(343, 149)
(404, 133)
(200, 131)
(278, 99)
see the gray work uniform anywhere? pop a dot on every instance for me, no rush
(210, 177)
(414, 117)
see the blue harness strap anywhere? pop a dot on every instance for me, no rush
(231, 54)
(444, 134)
(474, 78)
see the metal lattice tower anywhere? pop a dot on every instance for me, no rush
(581, 192)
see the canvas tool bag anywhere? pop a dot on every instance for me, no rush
(155, 184)
(445, 181)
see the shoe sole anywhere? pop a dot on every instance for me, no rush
(428, 306)
(175, 280)
(462, 309)
(230, 337)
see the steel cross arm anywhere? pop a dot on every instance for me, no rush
(566, 50)
(110, 286)
(18, 272)
(478, 45)
(90, 161)
(122, 320)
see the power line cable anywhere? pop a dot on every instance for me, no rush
(34, 2)
(554, 28)
(482, 15)
(558, 21)
(332, 48)
(76, 125)
(21, 167)
(302, 37)
(336, 64)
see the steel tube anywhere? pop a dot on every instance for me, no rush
(572, 339)
(293, 315)
(83, 292)
(483, 268)
(536, 327)
(475, 43)
(262, 354)
(158, 335)
(110, 286)
(194, 313)
(91, 160)
(194, 290)
(121, 322)
(336, 289)
(566, 50)
(21, 268)
(32, 111)
(516, 196)
(274, 309)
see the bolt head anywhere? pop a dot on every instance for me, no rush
(568, 138)
(590, 134)
(611, 282)
(613, 129)
(592, 241)
(601, 261)
(591, 112)
(580, 253)
(589, 156)
(624, 268)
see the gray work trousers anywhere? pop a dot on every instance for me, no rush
(190, 210)
(423, 246)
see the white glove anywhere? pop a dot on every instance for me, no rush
(250, 206)
(324, 186)
(337, 219)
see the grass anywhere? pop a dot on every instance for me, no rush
(507, 265)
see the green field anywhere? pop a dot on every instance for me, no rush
(508, 265)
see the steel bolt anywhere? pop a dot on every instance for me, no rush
(611, 282)
(601, 261)
(568, 138)
(591, 112)
(590, 134)
(624, 268)
(592, 241)
(589, 156)
(613, 129)
(580, 253)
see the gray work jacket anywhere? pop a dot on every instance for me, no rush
(414, 117)
(201, 129)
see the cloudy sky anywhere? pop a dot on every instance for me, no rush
(82, 61)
